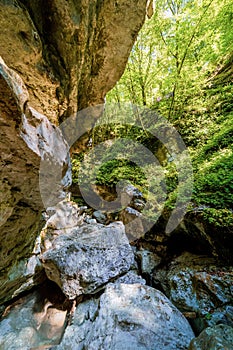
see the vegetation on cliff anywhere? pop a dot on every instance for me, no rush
(181, 67)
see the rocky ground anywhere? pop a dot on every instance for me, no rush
(92, 280)
(100, 292)
(88, 281)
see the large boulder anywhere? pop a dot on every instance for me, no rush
(84, 259)
(196, 233)
(129, 317)
(38, 320)
(205, 236)
(217, 338)
(26, 137)
(200, 287)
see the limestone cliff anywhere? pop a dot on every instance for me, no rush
(69, 53)
(67, 56)
(26, 138)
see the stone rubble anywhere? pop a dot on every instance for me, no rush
(200, 285)
(95, 266)
(129, 317)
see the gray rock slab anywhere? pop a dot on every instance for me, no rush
(85, 259)
(100, 217)
(130, 277)
(217, 338)
(199, 284)
(129, 317)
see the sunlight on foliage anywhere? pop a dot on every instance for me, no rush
(181, 66)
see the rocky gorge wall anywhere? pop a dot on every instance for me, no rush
(58, 57)
(92, 288)
(69, 53)
(26, 138)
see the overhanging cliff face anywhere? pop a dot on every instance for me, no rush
(26, 137)
(67, 55)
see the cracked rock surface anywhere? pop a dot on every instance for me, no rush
(201, 285)
(215, 338)
(87, 257)
(70, 53)
(130, 317)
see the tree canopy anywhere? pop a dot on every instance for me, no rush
(181, 67)
(176, 51)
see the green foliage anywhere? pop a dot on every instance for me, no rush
(221, 139)
(175, 52)
(181, 67)
(76, 160)
(218, 217)
(171, 177)
(108, 172)
(115, 170)
(214, 167)
(208, 316)
(214, 181)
